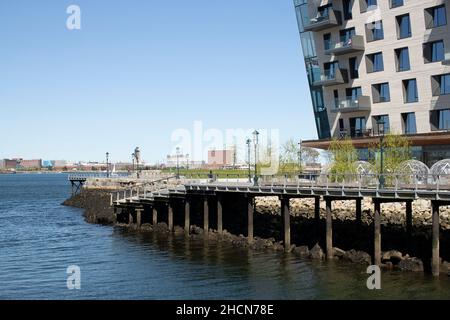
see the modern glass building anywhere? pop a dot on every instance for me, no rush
(371, 60)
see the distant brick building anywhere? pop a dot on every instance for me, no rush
(221, 158)
(29, 164)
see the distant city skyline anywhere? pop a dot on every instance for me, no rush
(138, 71)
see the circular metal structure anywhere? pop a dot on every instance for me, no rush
(440, 171)
(413, 172)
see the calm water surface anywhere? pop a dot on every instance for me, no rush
(39, 239)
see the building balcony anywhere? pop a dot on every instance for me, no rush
(332, 18)
(446, 61)
(354, 44)
(332, 78)
(362, 103)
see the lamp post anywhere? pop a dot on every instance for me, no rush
(300, 150)
(132, 161)
(187, 161)
(178, 162)
(255, 141)
(381, 124)
(249, 142)
(107, 164)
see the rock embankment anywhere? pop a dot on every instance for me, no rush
(96, 205)
(392, 213)
(391, 260)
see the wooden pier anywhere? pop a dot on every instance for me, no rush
(178, 205)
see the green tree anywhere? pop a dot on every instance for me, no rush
(289, 158)
(342, 155)
(396, 149)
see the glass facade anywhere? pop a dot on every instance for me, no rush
(403, 59)
(313, 69)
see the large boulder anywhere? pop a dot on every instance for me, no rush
(316, 253)
(411, 264)
(358, 257)
(338, 253)
(393, 256)
(302, 251)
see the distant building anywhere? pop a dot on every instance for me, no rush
(183, 161)
(221, 158)
(10, 163)
(29, 164)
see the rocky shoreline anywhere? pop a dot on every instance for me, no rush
(96, 203)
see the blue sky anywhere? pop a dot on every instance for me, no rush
(139, 70)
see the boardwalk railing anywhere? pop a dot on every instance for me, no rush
(89, 175)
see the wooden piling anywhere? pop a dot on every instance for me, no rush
(359, 212)
(219, 215)
(250, 212)
(409, 222)
(435, 257)
(187, 215)
(139, 217)
(205, 215)
(377, 233)
(155, 216)
(329, 230)
(170, 216)
(286, 220)
(130, 218)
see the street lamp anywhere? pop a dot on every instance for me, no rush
(178, 162)
(381, 124)
(255, 140)
(300, 150)
(187, 161)
(249, 142)
(107, 164)
(132, 161)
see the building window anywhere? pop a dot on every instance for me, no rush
(434, 51)
(403, 26)
(327, 41)
(353, 93)
(347, 6)
(440, 84)
(410, 91)
(396, 3)
(374, 31)
(440, 119)
(384, 118)
(336, 99)
(402, 56)
(380, 92)
(341, 126)
(409, 123)
(374, 62)
(435, 17)
(354, 73)
(346, 35)
(357, 126)
(330, 69)
(366, 5)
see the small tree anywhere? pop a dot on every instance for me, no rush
(309, 155)
(343, 155)
(289, 158)
(396, 149)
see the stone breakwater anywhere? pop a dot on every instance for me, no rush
(392, 260)
(392, 213)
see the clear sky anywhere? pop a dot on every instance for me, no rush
(139, 70)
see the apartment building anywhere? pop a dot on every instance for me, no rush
(373, 62)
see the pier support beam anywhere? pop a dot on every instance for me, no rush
(286, 222)
(435, 259)
(170, 216)
(250, 214)
(155, 216)
(317, 210)
(409, 217)
(205, 216)
(359, 212)
(219, 215)
(139, 217)
(329, 230)
(130, 218)
(377, 233)
(187, 215)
